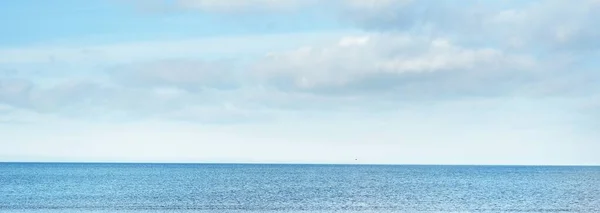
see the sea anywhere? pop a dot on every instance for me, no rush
(136, 188)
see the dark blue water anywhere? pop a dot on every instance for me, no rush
(295, 188)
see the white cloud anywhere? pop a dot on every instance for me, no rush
(356, 58)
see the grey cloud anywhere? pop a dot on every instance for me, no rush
(415, 56)
(575, 81)
(28, 95)
(398, 65)
(21, 99)
(405, 14)
(186, 74)
(556, 25)
(67, 96)
(549, 24)
(145, 90)
(15, 92)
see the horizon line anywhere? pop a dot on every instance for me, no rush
(293, 163)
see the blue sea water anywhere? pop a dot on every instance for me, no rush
(50, 187)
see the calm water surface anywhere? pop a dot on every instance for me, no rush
(28, 187)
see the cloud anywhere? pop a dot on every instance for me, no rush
(58, 98)
(386, 62)
(376, 71)
(487, 75)
(184, 74)
(23, 101)
(414, 51)
(15, 91)
(557, 25)
(554, 24)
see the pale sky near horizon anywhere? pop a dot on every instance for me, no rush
(301, 81)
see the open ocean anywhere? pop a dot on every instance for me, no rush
(54, 187)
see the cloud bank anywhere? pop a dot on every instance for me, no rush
(517, 73)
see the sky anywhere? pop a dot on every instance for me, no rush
(301, 81)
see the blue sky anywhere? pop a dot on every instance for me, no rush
(291, 81)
